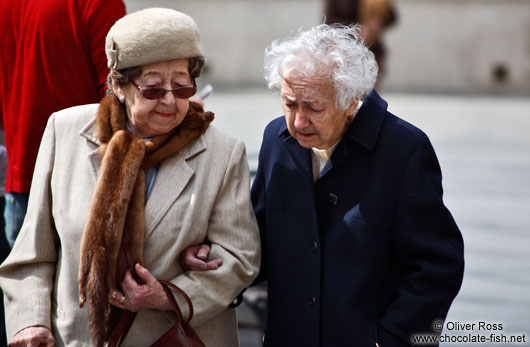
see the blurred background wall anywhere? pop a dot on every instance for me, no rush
(437, 46)
(234, 33)
(460, 46)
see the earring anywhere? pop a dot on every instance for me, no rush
(349, 118)
(122, 99)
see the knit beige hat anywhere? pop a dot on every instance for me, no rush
(150, 36)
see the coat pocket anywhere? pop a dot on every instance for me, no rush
(365, 239)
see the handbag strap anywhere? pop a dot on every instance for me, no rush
(165, 285)
(127, 317)
(121, 330)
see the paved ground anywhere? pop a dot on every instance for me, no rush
(483, 144)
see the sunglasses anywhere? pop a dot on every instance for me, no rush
(157, 93)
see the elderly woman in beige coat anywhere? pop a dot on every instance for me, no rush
(119, 190)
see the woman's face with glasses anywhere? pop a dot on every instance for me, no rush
(157, 101)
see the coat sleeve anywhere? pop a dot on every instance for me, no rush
(233, 233)
(258, 195)
(429, 248)
(27, 275)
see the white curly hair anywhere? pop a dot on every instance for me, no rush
(336, 50)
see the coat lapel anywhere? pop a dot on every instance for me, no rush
(89, 132)
(301, 157)
(95, 163)
(172, 177)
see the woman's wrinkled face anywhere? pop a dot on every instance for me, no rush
(310, 111)
(149, 118)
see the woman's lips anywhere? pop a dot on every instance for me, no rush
(163, 115)
(305, 136)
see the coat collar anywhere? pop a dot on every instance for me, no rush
(174, 172)
(364, 130)
(367, 123)
(89, 132)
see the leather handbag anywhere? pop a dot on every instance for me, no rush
(180, 335)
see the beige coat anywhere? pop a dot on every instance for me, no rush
(201, 192)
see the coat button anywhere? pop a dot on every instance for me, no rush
(333, 199)
(314, 247)
(312, 302)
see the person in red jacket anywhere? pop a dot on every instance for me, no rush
(52, 57)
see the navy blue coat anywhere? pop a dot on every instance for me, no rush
(368, 252)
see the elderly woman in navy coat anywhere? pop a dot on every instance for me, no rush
(358, 247)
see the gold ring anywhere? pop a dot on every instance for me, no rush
(122, 300)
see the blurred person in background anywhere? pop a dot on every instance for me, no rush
(358, 248)
(4, 247)
(374, 17)
(342, 11)
(160, 179)
(52, 58)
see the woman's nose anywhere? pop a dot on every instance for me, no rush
(300, 119)
(168, 98)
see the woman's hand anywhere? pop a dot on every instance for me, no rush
(136, 297)
(33, 337)
(195, 258)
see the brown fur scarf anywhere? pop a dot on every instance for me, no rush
(113, 237)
